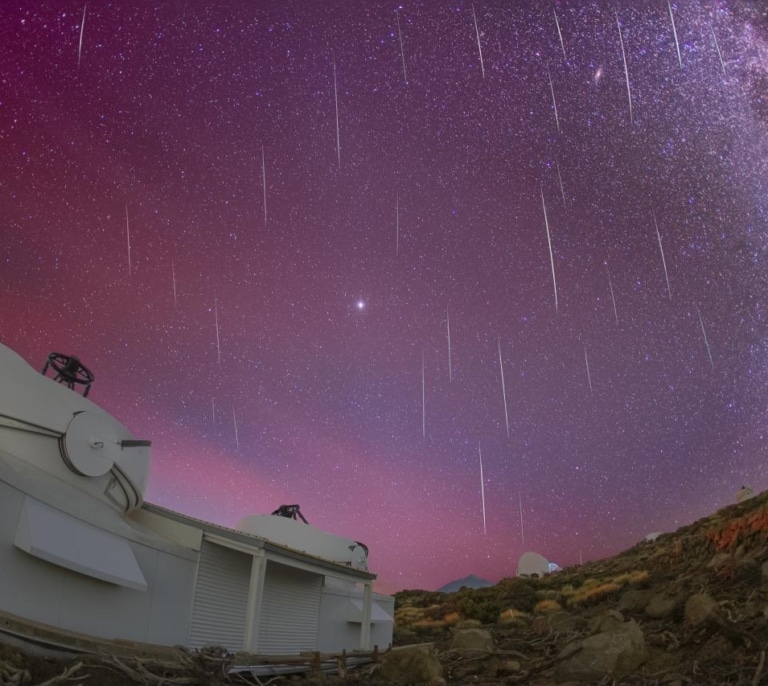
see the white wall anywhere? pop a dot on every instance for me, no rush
(50, 594)
(335, 611)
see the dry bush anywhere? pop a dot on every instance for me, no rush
(639, 576)
(512, 617)
(546, 606)
(593, 590)
(551, 594)
(451, 618)
(428, 625)
(592, 593)
(434, 612)
(407, 616)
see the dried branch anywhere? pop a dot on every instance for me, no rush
(756, 679)
(67, 676)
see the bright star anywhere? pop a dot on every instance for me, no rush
(360, 304)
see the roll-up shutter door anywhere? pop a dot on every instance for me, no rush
(221, 598)
(290, 613)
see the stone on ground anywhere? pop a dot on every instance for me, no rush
(472, 641)
(411, 665)
(613, 653)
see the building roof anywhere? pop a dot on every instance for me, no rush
(257, 542)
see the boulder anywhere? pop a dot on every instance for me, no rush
(508, 667)
(699, 609)
(557, 621)
(610, 620)
(634, 600)
(411, 665)
(747, 567)
(613, 653)
(764, 572)
(472, 641)
(719, 560)
(662, 605)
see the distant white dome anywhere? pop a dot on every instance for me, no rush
(531, 564)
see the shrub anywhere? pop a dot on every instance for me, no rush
(546, 606)
(451, 618)
(485, 610)
(517, 594)
(512, 617)
(639, 576)
(592, 593)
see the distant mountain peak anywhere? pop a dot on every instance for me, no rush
(471, 581)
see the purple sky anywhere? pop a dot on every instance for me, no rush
(404, 193)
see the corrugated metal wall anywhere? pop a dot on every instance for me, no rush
(221, 598)
(290, 613)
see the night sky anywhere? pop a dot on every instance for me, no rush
(257, 222)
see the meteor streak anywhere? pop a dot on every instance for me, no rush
(264, 182)
(82, 29)
(717, 47)
(613, 298)
(706, 340)
(549, 242)
(336, 101)
(554, 102)
(482, 485)
(216, 320)
(503, 388)
(674, 33)
(448, 327)
(661, 250)
(626, 71)
(560, 34)
(173, 279)
(423, 400)
(128, 238)
(479, 47)
(402, 54)
(586, 361)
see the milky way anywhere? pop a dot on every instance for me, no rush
(252, 221)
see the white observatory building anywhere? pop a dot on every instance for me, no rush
(82, 554)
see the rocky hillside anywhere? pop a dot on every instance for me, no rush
(688, 608)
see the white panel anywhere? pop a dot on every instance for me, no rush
(56, 537)
(221, 598)
(378, 613)
(290, 614)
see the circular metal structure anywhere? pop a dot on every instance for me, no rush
(92, 443)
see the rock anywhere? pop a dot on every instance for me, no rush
(437, 681)
(719, 560)
(607, 621)
(508, 667)
(764, 571)
(747, 567)
(411, 665)
(472, 641)
(634, 600)
(563, 621)
(557, 621)
(662, 605)
(699, 609)
(541, 625)
(613, 653)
